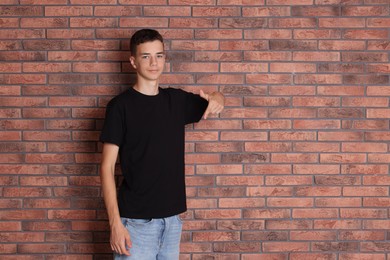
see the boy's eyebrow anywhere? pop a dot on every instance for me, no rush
(147, 53)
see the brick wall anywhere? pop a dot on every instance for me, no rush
(296, 167)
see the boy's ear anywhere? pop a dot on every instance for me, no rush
(132, 61)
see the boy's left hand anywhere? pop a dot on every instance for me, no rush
(216, 103)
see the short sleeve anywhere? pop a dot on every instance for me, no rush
(195, 107)
(113, 128)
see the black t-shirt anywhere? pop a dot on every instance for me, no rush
(149, 131)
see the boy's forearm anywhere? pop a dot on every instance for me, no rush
(110, 196)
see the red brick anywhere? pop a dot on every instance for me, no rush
(288, 181)
(22, 215)
(138, 22)
(68, 10)
(169, 11)
(268, 169)
(49, 158)
(338, 202)
(239, 181)
(71, 214)
(379, 158)
(8, 249)
(290, 202)
(117, 11)
(361, 256)
(317, 33)
(194, 45)
(218, 34)
(285, 246)
(341, 22)
(10, 203)
(21, 10)
(335, 180)
(45, 203)
(367, 191)
(344, 68)
(219, 169)
(269, 78)
(379, 68)
(316, 169)
(22, 79)
(41, 248)
(141, 2)
(309, 256)
(221, 192)
(71, 55)
(363, 213)
(236, 45)
(364, 169)
(292, 67)
(315, 213)
(341, 45)
(297, 2)
(291, 90)
(267, 124)
(90, 225)
(242, 22)
(340, 112)
(84, 181)
(379, 179)
(337, 224)
(268, 191)
(46, 67)
(316, 56)
(69, 33)
(268, 147)
(43, 22)
(315, 102)
(365, 34)
(176, 22)
(9, 2)
(316, 147)
(94, 2)
(341, 90)
(267, 34)
(95, 45)
(43, 181)
(215, 236)
(22, 124)
(291, 22)
(292, 113)
(378, 45)
(343, 158)
(379, 22)
(365, 11)
(9, 22)
(313, 235)
(364, 57)
(215, 11)
(10, 90)
(318, 191)
(315, 11)
(265, 11)
(43, 2)
(288, 224)
(72, 79)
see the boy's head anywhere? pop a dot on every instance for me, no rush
(142, 36)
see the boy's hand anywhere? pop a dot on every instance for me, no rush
(120, 239)
(216, 103)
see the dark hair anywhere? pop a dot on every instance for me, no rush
(142, 36)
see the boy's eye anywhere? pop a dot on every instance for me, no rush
(145, 56)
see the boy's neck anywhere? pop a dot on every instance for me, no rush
(150, 89)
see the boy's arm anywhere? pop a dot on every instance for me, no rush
(216, 103)
(119, 235)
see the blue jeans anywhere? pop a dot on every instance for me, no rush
(153, 239)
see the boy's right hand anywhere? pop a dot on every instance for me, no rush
(120, 239)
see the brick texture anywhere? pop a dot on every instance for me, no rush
(296, 167)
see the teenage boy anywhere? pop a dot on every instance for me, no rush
(145, 126)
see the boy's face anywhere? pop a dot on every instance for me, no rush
(149, 60)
